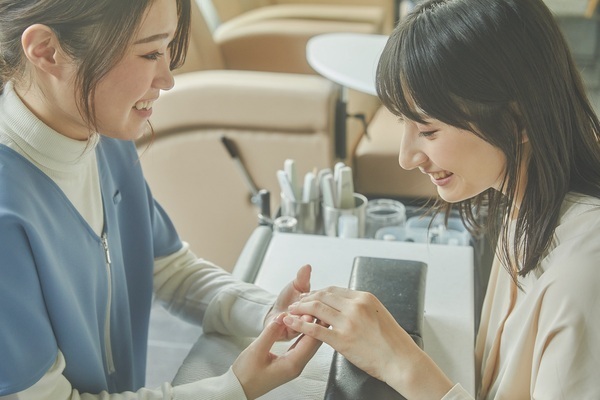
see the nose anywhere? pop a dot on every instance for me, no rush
(411, 155)
(164, 77)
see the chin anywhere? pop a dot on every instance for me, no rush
(450, 197)
(453, 197)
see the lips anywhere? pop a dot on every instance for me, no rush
(439, 178)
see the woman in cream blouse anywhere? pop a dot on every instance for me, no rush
(496, 114)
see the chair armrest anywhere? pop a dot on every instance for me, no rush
(247, 99)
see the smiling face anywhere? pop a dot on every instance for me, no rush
(460, 163)
(125, 95)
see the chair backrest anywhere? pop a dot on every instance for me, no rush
(203, 52)
(228, 9)
(389, 7)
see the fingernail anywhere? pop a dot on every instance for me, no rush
(279, 318)
(293, 305)
(288, 320)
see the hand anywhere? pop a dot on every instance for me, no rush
(260, 371)
(361, 327)
(365, 332)
(290, 294)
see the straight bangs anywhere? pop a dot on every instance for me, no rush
(444, 75)
(414, 74)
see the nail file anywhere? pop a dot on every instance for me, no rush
(320, 176)
(309, 189)
(328, 190)
(285, 185)
(336, 170)
(289, 166)
(345, 188)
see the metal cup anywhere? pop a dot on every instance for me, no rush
(331, 217)
(307, 214)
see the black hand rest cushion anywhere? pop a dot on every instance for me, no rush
(400, 286)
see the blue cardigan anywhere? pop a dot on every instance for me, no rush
(55, 280)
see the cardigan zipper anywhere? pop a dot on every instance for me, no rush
(107, 341)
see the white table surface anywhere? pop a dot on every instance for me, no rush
(349, 59)
(449, 330)
(448, 334)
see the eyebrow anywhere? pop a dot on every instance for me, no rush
(152, 38)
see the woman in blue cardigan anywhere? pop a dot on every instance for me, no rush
(83, 244)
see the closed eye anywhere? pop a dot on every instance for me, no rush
(427, 133)
(153, 56)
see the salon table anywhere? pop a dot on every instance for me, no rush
(271, 261)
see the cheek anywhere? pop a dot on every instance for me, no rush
(489, 167)
(126, 82)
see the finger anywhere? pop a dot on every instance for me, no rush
(312, 329)
(302, 281)
(317, 309)
(313, 320)
(332, 290)
(272, 333)
(303, 349)
(339, 299)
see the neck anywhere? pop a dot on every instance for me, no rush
(51, 110)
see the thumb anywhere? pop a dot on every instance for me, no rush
(302, 281)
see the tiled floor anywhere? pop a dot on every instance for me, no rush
(170, 338)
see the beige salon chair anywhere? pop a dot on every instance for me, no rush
(272, 34)
(377, 172)
(275, 32)
(268, 116)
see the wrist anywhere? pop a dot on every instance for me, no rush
(418, 377)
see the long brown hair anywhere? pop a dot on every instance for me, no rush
(500, 69)
(94, 33)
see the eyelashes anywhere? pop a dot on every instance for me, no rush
(426, 134)
(153, 56)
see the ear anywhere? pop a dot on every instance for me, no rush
(42, 49)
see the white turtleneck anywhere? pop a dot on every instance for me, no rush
(70, 163)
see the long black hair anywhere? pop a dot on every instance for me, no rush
(502, 70)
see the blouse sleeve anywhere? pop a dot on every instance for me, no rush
(567, 347)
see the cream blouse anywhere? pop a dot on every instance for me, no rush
(543, 341)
